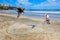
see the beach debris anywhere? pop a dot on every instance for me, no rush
(33, 26)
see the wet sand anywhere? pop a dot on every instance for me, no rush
(12, 28)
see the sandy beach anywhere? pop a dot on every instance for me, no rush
(12, 28)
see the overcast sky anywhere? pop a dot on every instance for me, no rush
(33, 4)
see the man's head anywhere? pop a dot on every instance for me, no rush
(20, 10)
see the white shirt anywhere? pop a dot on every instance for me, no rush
(47, 16)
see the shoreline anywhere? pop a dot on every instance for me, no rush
(53, 16)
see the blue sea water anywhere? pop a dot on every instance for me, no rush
(54, 15)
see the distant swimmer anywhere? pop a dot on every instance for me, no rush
(47, 19)
(20, 11)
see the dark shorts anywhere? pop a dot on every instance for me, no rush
(47, 20)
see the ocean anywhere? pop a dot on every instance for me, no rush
(54, 15)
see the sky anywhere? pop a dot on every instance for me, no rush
(33, 4)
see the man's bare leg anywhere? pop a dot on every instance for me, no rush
(18, 15)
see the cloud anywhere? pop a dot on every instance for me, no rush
(47, 4)
(24, 2)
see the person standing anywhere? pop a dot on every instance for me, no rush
(47, 19)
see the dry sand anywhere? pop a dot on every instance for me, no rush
(12, 28)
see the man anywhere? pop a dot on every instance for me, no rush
(47, 19)
(20, 10)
